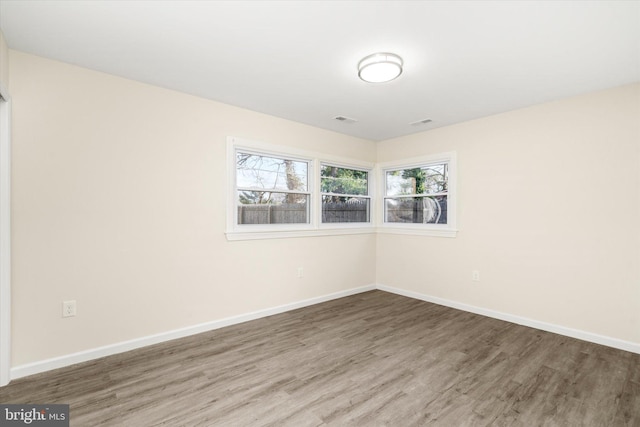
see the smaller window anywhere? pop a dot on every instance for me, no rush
(271, 190)
(417, 195)
(345, 195)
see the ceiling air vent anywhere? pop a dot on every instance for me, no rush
(344, 119)
(421, 122)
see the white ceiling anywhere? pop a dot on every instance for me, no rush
(297, 59)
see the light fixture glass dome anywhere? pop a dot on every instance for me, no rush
(380, 67)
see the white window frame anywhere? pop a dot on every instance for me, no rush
(308, 192)
(440, 230)
(370, 195)
(314, 227)
(5, 236)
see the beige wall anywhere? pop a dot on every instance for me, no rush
(4, 62)
(548, 212)
(119, 203)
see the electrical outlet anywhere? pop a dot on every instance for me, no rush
(68, 308)
(300, 271)
(475, 275)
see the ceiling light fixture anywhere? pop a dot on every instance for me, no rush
(380, 67)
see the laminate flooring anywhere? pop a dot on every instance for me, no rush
(372, 359)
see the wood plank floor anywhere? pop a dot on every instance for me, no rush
(366, 360)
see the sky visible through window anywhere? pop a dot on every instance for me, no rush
(270, 173)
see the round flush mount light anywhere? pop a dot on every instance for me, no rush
(380, 67)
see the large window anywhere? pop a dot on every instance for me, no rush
(271, 190)
(345, 194)
(277, 192)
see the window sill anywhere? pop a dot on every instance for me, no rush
(287, 234)
(415, 231)
(284, 234)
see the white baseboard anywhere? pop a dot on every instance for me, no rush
(549, 327)
(108, 350)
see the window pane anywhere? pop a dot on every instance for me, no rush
(266, 207)
(256, 171)
(423, 180)
(345, 209)
(435, 178)
(416, 210)
(344, 181)
(398, 183)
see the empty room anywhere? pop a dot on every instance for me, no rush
(319, 213)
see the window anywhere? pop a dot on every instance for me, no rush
(417, 195)
(420, 196)
(271, 190)
(277, 192)
(345, 195)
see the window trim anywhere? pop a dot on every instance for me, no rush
(438, 230)
(314, 227)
